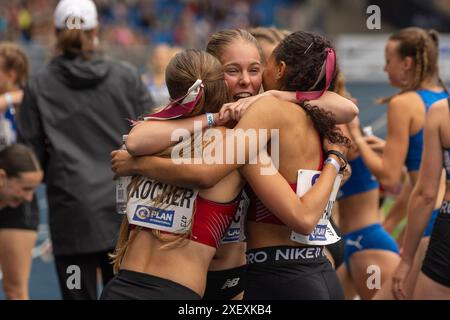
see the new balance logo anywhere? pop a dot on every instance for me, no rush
(355, 243)
(230, 283)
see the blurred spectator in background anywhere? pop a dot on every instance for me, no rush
(18, 226)
(13, 77)
(74, 113)
(130, 22)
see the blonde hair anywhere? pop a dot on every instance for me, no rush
(183, 70)
(14, 58)
(220, 40)
(423, 47)
(271, 35)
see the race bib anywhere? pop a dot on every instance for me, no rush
(236, 230)
(173, 215)
(324, 232)
(447, 161)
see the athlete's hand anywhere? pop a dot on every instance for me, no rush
(399, 278)
(346, 174)
(222, 120)
(237, 109)
(121, 163)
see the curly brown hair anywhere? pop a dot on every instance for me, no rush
(304, 54)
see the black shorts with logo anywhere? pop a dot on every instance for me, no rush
(291, 273)
(131, 285)
(225, 284)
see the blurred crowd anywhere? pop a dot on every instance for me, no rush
(132, 22)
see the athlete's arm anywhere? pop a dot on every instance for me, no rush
(387, 168)
(423, 197)
(162, 169)
(260, 116)
(299, 213)
(153, 136)
(343, 110)
(399, 210)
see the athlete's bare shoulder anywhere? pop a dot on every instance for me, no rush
(406, 103)
(404, 98)
(271, 107)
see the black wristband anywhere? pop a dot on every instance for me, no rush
(340, 156)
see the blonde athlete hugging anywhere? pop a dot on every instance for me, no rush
(155, 273)
(240, 55)
(167, 227)
(277, 204)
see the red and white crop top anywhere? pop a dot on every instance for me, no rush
(211, 220)
(178, 211)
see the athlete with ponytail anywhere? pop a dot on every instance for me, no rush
(171, 262)
(277, 210)
(412, 65)
(239, 53)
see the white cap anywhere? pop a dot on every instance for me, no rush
(76, 14)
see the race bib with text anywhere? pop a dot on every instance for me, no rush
(324, 232)
(173, 215)
(236, 230)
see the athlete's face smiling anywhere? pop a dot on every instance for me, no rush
(243, 71)
(397, 68)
